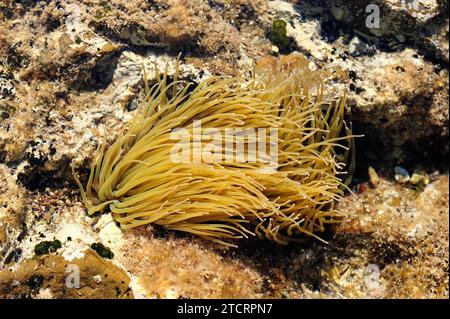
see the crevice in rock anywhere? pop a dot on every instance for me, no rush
(36, 177)
(430, 153)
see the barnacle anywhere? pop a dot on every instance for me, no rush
(221, 199)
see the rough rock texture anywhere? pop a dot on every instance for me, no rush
(47, 277)
(395, 78)
(71, 74)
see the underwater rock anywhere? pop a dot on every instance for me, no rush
(55, 277)
(70, 73)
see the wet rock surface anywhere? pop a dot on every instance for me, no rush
(50, 277)
(71, 74)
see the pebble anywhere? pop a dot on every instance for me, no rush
(353, 45)
(312, 66)
(418, 178)
(374, 178)
(357, 47)
(97, 279)
(401, 175)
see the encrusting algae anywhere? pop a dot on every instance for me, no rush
(224, 197)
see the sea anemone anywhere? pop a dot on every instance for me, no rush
(229, 194)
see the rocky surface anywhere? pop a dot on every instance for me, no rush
(71, 74)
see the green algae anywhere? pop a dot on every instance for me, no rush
(46, 247)
(278, 35)
(103, 251)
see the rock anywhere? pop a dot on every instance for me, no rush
(183, 267)
(401, 175)
(398, 17)
(71, 74)
(399, 222)
(390, 90)
(423, 22)
(433, 41)
(420, 180)
(12, 207)
(372, 278)
(356, 48)
(53, 276)
(3, 236)
(7, 85)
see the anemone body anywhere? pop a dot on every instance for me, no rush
(221, 199)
